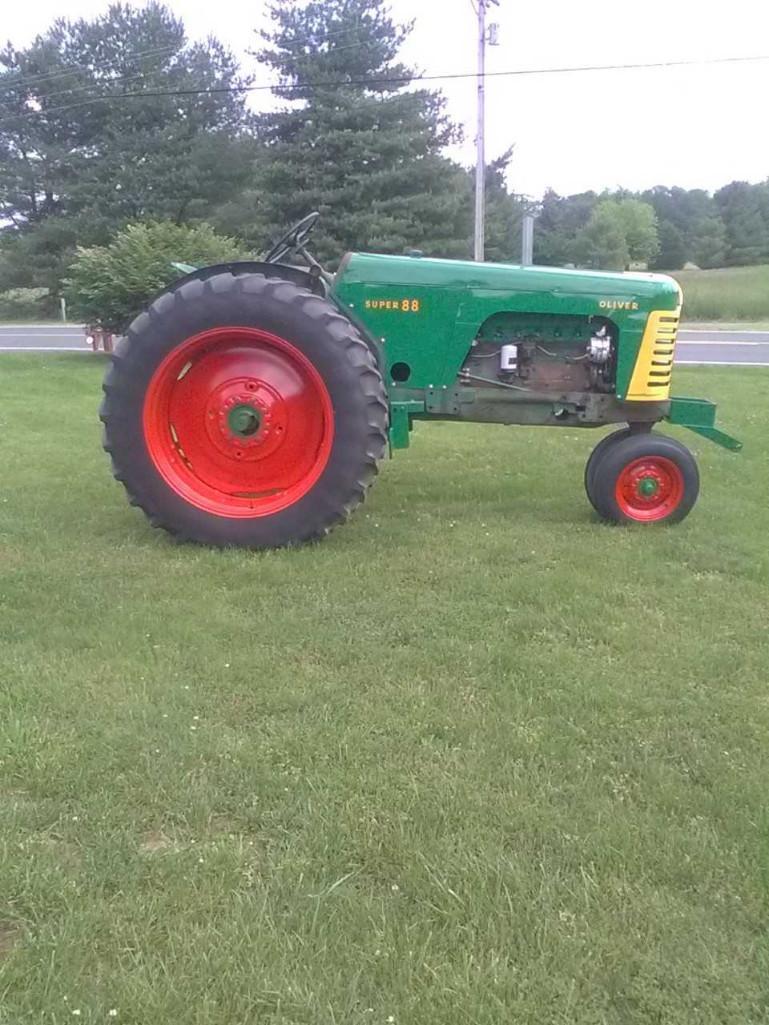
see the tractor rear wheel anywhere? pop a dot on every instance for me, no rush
(646, 478)
(244, 410)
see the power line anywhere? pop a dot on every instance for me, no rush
(20, 79)
(371, 82)
(78, 90)
(118, 79)
(24, 80)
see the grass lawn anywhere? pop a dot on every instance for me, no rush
(476, 759)
(728, 294)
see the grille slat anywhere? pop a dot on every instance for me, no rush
(661, 363)
(651, 375)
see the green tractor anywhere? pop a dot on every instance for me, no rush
(252, 403)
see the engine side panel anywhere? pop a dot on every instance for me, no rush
(427, 313)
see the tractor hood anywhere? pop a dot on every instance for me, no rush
(615, 291)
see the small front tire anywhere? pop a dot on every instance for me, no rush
(597, 455)
(646, 478)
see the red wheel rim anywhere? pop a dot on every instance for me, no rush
(238, 422)
(649, 489)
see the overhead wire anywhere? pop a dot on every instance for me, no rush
(373, 82)
(76, 92)
(25, 80)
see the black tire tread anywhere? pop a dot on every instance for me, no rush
(595, 458)
(636, 446)
(341, 333)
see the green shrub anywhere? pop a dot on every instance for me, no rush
(26, 304)
(109, 285)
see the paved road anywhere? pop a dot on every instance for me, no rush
(749, 348)
(42, 338)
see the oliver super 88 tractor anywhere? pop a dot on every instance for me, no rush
(252, 402)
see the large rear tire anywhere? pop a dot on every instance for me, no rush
(241, 410)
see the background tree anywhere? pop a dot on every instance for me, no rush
(504, 213)
(81, 156)
(602, 243)
(620, 232)
(694, 218)
(707, 246)
(559, 223)
(640, 226)
(747, 228)
(353, 142)
(672, 249)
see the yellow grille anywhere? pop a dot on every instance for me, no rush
(651, 376)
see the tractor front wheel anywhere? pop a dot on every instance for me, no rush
(597, 455)
(244, 410)
(645, 478)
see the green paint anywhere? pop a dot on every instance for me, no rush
(699, 415)
(244, 420)
(457, 298)
(400, 421)
(648, 487)
(426, 313)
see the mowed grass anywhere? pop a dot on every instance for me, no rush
(729, 293)
(477, 758)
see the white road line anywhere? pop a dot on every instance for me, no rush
(715, 363)
(714, 341)
(45, 348)
(725, 330)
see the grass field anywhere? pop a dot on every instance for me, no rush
(731, 293)
(476, 759)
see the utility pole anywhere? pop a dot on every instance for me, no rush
(527, 239)
(480, 142)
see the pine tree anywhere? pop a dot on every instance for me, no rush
(353, 142)
(672, 251)
(80, 156)
(559, 225)
(504, 214)
(747, 230)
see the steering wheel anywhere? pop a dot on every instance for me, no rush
(294, 239)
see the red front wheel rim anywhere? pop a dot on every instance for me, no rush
(650, 489)
(238, 422)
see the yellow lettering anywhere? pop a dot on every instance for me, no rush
(405, 305)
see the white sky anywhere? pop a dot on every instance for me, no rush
(698, 127)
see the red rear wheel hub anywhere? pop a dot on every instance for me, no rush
(650, 488)
(238, 422)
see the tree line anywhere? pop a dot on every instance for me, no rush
(123, 119)
(668, 227)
